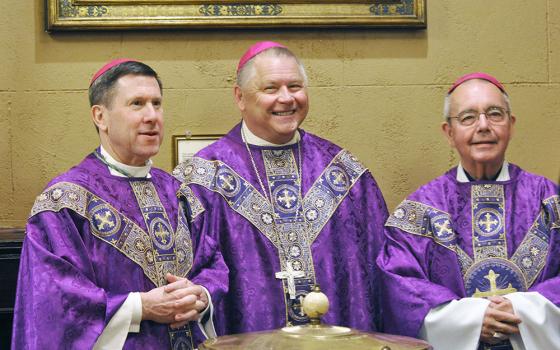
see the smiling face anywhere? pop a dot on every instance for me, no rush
(274, 102)
(483, 144)
(131, 125)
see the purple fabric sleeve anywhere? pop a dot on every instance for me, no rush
(408, 293)
(209, 269)
(64, 305)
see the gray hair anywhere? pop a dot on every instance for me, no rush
(247, 72)
(447, 103)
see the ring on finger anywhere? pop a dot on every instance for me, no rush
(498, 335)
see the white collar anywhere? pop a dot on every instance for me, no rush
(253, 139)
(134, 171)
(503, 176)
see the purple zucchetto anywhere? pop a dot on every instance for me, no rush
(108, 66)
(255, 50)
(477, 75)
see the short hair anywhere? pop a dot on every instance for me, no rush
(447, 103)
(246, 73)
(102, 89)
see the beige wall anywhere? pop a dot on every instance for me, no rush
(377, 93)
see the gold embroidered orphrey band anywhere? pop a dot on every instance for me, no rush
(157, 252)
(291, 226)
(122, 233)
(489, 238)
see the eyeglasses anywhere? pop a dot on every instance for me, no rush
(494, 115)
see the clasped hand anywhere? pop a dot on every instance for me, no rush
(499, 321)
(175, 304)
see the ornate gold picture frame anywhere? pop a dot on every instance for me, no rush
(149, 14)
(186, 146)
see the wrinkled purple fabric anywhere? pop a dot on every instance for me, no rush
(71, 283)
(343, 253)
(417, 274)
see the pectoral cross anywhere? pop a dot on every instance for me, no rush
(494, 290)
(290, 275)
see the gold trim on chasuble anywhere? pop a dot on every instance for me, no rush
(422, 220)
(490, 272)
(195, 206)
(284, 223)
(158, 251)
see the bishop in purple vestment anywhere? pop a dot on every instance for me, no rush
(286, 208)
(472, 258)
(105, 238)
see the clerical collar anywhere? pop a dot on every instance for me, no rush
(117, 168)
(503, 175)
(253, 139)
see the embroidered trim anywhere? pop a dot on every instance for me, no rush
(330, 189)
(195, 207)
(112, 227)
(554, 213)
(282, 176)
(488, 221)
(532, 253)
(494, 276)
(240, 195)
(523, 267)
(285, 188)
(319, 203)
(423, 220)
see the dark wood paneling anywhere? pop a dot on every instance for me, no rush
(10, 248)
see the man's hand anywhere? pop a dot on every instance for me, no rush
(199, 306)
(176, 303)
(499, 321)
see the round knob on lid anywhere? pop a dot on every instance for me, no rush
(315, 305)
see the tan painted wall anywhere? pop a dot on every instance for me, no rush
(377, 93)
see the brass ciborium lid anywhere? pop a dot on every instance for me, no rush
(315, 335)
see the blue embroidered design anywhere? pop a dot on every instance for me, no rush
(488, 227)
(319, 203)
(122, 233)
(494, 276)
(282, 224)
(490, 270)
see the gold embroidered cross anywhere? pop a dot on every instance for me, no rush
(227, 182)
(338, 177)
(494, 290)
(286, 199)
(104, 220)
(161, 233)
(488, 223)
(290, 275)
(443, 228)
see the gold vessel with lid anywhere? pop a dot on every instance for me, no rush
(315, 335)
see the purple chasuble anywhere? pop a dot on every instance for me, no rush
(328, 232)
(87, 246)
(450, 240)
